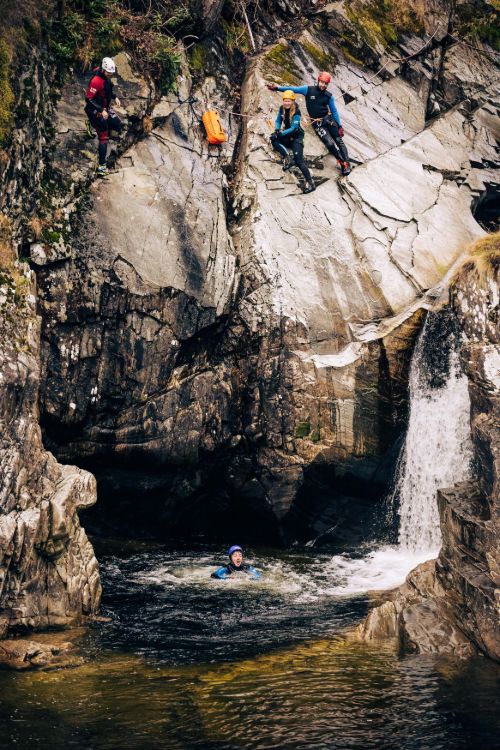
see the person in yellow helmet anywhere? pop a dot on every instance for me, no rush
(289, 134)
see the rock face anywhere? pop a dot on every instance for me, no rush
(22, 654)
(48, 572)
(460, 603)
(212, 338)
(420, 617)
(236, 345)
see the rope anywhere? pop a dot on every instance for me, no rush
(478, 49)
(391, 60)
(309, 120)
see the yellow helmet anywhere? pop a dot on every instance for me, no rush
(288, 94)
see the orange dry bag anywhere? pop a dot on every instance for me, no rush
(213, 128)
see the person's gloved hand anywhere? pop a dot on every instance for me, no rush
(272, 86)
(341, 131)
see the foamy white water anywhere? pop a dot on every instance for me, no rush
(384, 568)
(437, 451)
(319, 578)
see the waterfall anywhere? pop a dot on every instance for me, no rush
(438, 449)
(437, 453)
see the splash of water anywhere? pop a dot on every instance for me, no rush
(437, 454)
(437, 451)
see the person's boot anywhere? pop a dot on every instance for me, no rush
(345, 168)
(287, 163)
(309, 186)
(102, 170)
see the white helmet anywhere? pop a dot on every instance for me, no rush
(108, 65)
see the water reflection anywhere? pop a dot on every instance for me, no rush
(188, 664)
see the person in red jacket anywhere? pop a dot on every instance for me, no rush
(98, 100)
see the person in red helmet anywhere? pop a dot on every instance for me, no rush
(98, 99)
(325, 118)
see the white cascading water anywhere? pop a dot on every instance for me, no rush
(436, 454)
(437, 451)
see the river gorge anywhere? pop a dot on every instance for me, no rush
(196, 353)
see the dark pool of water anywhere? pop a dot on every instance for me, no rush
(189, 663)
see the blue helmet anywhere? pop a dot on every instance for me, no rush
(234, 548)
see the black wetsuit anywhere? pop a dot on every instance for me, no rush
(324, 116)
(292, 136)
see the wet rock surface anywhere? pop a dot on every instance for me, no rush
(209, 331)
(234, 334)
(48, 572)
(22, 654)
(462, 603)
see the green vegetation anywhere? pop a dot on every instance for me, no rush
(235, 36)
(382, 21)
(279, 64)
(167, 60)
(90, 29)
(7, 98)
(198, 57)
(6, 252)
(302, 430)
(474, 24)
(322, 61)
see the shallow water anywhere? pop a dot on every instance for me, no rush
(193, 663)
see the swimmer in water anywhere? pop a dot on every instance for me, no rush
(235, 565)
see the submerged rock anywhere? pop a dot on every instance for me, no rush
(22, 654)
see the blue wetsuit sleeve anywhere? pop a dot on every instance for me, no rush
(220, 573)
(294, 125)
(296, 89)
(333, 110)
(254, 572)
(278, 121)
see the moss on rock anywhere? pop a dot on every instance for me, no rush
(322, 60)
(380, 22)
(7, 98)
(279, 63)
(302, 430)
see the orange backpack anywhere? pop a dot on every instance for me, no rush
(213, 128)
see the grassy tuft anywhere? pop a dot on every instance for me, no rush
(302, 430)
(7, 255)
(322, 61)
(483, 258)
(477, 25)
(7, 97)
(382, 21)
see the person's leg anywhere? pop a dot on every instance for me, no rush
(282, 150)
(101, 127)
(333, 129)
(114, 123)
(102, 134)
(322, 133)
(298, 155)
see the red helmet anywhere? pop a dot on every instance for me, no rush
(325, 77)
